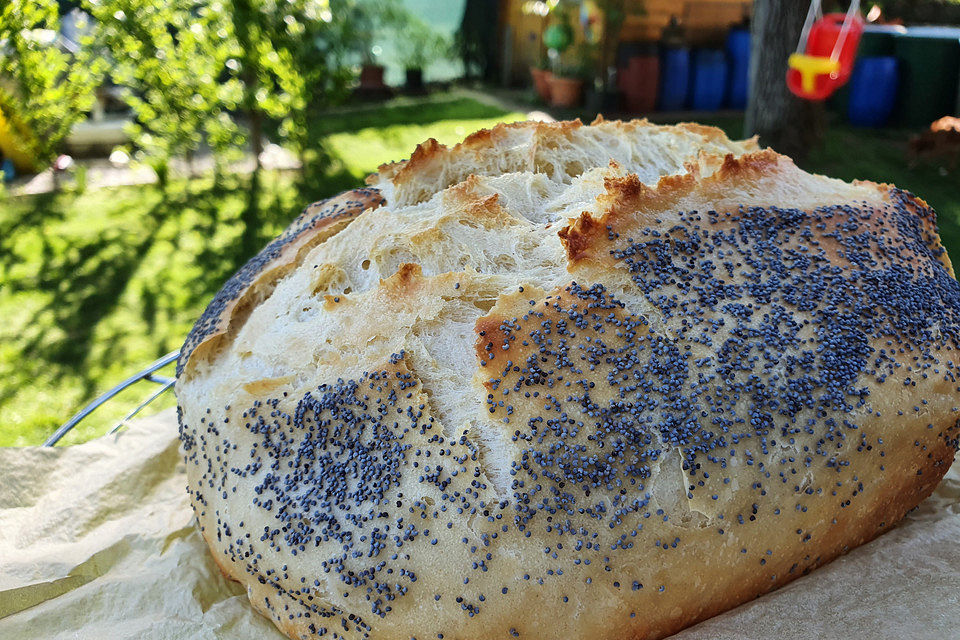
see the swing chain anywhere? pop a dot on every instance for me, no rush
(852, 11)
(815, 13)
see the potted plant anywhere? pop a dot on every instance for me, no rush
(566, 82)
(565, 91)
(606, 95)
(366, 21)
(540, 73)
(371, 73)
(419, 45)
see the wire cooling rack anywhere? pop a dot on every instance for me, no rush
(149, 374)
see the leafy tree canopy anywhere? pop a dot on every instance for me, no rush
(44, 89)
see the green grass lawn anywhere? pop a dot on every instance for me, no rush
(94, 286)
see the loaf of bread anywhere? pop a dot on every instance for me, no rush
(569, 382)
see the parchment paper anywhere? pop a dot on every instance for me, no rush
(97, 541)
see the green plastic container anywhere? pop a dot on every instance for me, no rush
(929, 74)
(877, 40)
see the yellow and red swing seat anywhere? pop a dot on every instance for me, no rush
(822, 69)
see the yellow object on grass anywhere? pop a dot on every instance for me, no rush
(15, 144)
(812, 66)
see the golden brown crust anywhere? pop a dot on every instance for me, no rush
(424, 152)
(432, 151)
(626, 196)
(577, 235)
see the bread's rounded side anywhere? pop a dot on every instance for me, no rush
(595, 404)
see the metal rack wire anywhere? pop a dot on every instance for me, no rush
(149, 374)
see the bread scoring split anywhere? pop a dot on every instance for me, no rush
(568, 381)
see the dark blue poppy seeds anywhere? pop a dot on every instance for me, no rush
(764, 336)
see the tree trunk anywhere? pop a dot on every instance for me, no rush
(783, 121)
(250, 241)
(256, 137)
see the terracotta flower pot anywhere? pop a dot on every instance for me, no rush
(565, 92)
(541, 82)
(639, 81)
(371, 77)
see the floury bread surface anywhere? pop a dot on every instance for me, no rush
(566, 381)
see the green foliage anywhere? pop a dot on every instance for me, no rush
(44, 90)
(270, 81)
(420, 44)
(289, 66)
(559, 36)
(320, 45)
(80, 178)
(188, 64)
(171, 57)
(615, 13)
(366, 19)
(272, 87)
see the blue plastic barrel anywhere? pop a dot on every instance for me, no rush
(873, 91)
(738, 68)
(708, 80)
(674, 78)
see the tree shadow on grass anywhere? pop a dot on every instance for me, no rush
(83, 280)
(128, 285)
(320, 179)
(42, 211)
(83, 286)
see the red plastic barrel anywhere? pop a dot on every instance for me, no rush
(639, 82)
